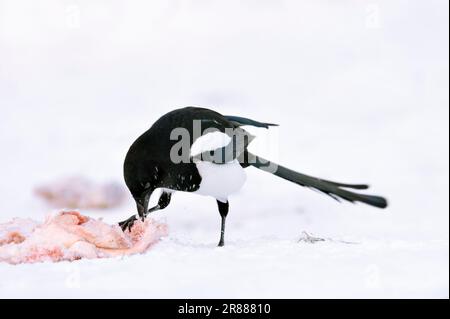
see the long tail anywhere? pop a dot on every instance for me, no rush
(332, 189)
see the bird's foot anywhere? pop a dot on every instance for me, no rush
(127, 224)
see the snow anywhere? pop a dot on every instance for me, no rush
(359, 88)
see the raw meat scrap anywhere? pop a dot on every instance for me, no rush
(16, 230)
(71, 236)
(79, 192)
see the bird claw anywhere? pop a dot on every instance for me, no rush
(127, 224)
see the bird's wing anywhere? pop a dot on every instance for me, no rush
(239, 121)
(210, 142)
(221, 145)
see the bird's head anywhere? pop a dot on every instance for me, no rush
(139, 183)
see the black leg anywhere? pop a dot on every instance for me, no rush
(163, 202)
(128, 223)
(223, 210)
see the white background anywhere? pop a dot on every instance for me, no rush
(360, 89)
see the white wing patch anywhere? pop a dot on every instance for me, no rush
(209, 142)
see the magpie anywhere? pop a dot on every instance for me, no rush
(198, 150)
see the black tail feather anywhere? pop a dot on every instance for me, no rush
(332, 189)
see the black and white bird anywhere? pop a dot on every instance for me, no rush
(200, 151)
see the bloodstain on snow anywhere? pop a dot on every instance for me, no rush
(72, 236)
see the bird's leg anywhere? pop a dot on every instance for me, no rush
(151, 210)
(128, 223)
(222, 233)
(163, 202)
(223, 210)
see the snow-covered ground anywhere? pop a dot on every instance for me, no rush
(360, 89)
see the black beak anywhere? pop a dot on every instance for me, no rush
(142, 206)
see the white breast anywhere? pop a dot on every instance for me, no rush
(220, 180)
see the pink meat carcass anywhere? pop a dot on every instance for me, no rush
(72, 236)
